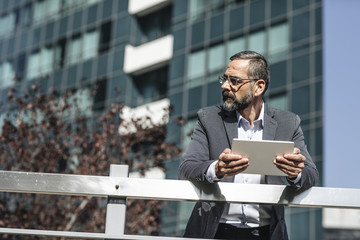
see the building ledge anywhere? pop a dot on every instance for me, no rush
(143, 7)
(148, 56)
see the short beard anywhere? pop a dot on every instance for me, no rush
(231, 103)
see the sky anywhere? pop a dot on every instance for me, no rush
(341, 79)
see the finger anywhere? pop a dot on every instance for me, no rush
(290, 162)
(295, 157)
(229, 157)
(290, 167)
(228, 172)
(289, 170)
(296, 150)
(231, 168)
(227, 150)
(234, 163)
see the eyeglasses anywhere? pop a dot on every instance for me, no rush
(234, 81)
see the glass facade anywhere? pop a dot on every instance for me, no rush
(68, 44)
(284, 31)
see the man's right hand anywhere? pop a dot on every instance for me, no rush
(230, 164)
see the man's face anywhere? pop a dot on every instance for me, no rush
(237, 97)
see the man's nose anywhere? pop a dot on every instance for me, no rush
(226, 86)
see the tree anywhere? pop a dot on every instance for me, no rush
(56, 133)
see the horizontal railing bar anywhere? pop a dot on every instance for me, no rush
(178, 190)
(85, 235)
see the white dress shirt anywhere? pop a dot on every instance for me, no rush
(245, 215)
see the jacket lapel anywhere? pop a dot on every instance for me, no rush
(231, 129)
(230, 124)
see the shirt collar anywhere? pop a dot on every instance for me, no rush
(258, 122)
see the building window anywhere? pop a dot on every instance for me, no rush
(49, 9)
(216, 61)
(26, 15)
(46, 60)
(206, 63)
(187, 131)
(90, 44)
(200, 8)
(100, 95)
(7, 74)
(279, 101)
(197, 9)
(60, 51)
(210, 62)
(82, 47)
(105, 37)
(278, 42)
(34, 62)
(234, 46)
(196, 68)
(151, 86)
(46, 9)
(257, 42)
(155, 25)
(41, 62)
(74, 50)
(7, 24)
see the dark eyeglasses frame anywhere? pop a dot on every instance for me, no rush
(234, 81)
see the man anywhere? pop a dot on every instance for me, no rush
(209, 158)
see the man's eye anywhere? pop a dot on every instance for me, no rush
(234, 81)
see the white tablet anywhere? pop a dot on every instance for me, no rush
(261, 154)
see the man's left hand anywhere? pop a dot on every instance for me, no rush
(291, 163)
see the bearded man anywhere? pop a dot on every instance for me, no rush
(209, 159)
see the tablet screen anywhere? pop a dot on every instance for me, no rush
(261, 154)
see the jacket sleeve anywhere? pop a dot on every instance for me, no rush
(196, 159)
(310, 174)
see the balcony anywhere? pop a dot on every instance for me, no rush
(148, 56)
(140, 7)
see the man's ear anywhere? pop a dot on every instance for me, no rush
(259, 87)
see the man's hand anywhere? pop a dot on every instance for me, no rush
(291, 163)
(230, 164)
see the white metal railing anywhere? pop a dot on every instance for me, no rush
(117, 187)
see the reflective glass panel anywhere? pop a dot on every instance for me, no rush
(196, 68)
(234, 46)
(6, 74)
(90, 44)
(46, 60)
(196, 65)
(74, 51)
(278, 42)
(279, 101)
(216, 58)
(257, 42)
(197, 8)
(33, 64)
(187, 131)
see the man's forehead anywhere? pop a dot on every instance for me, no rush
(240, 62)
(238, 65)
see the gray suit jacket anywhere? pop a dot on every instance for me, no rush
(214, 132)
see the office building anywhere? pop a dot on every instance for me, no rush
(170, 51)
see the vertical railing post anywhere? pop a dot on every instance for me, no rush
(116, 207)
